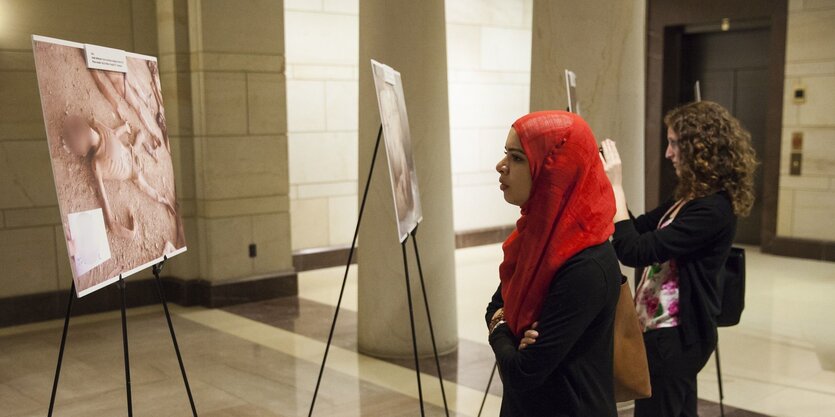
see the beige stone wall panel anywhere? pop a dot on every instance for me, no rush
(330, 189)
(785, 204)
(26, 175)
(805, 200)
(71, 20)
(322, 38)
(28, 257)
(20, 105)
(240, 167)
(241, 27)
(342, 218)
(244, 206)
(310, 226)
(34, 216)
(266, 101)
(308, 111)
(819, 108)
(227, 248)
(809, 35)
(269, 231)
(341, 105)
(325, 157)
(812, 215)
(17, 61)
(224, 105)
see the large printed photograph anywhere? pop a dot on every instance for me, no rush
(111, 160)
(392, 104)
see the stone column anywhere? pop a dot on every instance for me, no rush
(175, 78)
(602, 41)
(410, 37)
(222, 66)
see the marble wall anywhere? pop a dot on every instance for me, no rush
(33, 255)
(488, 53)
(222, 73)
(806, 202)
(322, 41)
(239, 138)
(489, 62)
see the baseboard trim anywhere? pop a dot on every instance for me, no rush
(53, 304)
(820, 250)
(330, 256)
(485, 236)
(141, 292)
(322, 257)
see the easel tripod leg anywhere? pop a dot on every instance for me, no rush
(347, 268)
(719, 375)
(412, 323)
(429, 321)
(61, 349)
(157, 269)
(125, 344)
(487, 390)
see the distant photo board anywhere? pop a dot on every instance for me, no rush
(404, 185)
(111, 159)
(697, 91)
(571, 91)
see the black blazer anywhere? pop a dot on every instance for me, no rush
(699, 239)
(568, 371)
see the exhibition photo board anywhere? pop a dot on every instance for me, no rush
(111, 159)
(404, 184)
(571, 91)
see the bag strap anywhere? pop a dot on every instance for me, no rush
(672, 212)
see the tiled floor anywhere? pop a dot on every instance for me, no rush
(262, 359)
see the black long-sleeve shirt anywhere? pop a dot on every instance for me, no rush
(568, 371)
(699, 239)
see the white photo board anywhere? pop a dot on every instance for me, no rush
(111, 159)
(404, 184)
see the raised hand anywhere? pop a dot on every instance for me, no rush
(611, 162)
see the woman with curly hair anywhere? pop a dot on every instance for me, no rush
(682, 246)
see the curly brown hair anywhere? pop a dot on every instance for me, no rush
(715, 154)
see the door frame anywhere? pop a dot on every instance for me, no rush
(665, 22)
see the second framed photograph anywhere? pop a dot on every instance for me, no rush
(404, 184)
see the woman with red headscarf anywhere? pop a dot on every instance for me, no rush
(560, 274)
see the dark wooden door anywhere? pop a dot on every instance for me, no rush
(732, 69)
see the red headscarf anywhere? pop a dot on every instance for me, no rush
(570, 208)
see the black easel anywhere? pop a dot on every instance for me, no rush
(719, 375)
(408, 291)
(61, 350)
(412, 323)
(125, 344)
(486, 390)
(428, 315)
(156, 270)
(121, 284)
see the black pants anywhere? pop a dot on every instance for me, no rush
(672, 372)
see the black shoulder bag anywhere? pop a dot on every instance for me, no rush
(732, 288)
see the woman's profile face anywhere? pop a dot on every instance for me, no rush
(672, 152)
(514, 171)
